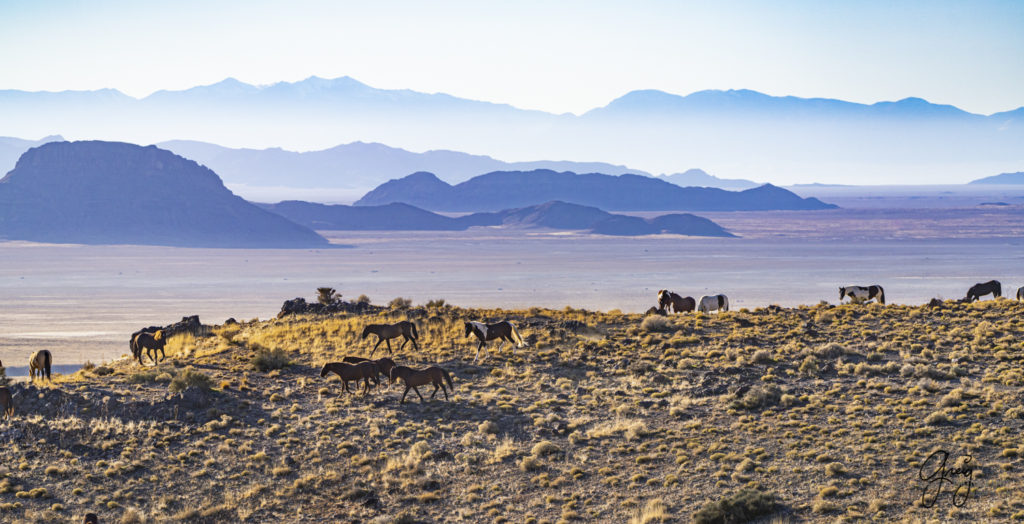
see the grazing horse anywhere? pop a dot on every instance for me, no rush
(679, 304)
(152, 343)
(40, 361)
(413, 378)
(386, 332)
(709, 303)
(503, 330)
(979, 290)
(6, 401)
(365, 371)
(384, 365)
(860, 294)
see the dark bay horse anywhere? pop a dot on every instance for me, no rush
(40, 361)
(979, 290)
(859, 294)
(6, 401)
(386, 332)
(136, 350)
(413, 378)
(384, 365)
(365, 371)
(152, 343)
(678, 303)
(503, 330)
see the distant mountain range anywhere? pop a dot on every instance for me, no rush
(1005, 178)
(734, 133)
(512, 189)
(698, 178)
(550, 215)
(117, 193)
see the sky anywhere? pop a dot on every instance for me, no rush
(567, 56)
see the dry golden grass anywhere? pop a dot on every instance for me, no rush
(813, 413)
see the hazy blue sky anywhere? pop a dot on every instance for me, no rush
(566, 56)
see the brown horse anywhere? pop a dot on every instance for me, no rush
(152, 343)
(386, 332)
(413, 378)
(979, 290)
(503, 330)
(679, 304)
(40, 361)
(384, 365)
(136, 350)
(365, 371)
(6, 402)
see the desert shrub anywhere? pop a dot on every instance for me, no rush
(544, 447)
(810, 366)
(327, 295)
(742, 506)
(654, 511)
(437, 302)
(102, 371)
(189, 377)
(400, 303)
(266, 360)
(362, 299)
(656, 324)
(830, 350)
(757, 397)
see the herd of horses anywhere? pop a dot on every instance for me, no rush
(359, 368)
(669, 302)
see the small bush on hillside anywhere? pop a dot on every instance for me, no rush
(656, 323)
(742, 506)
(400, 303)
(327, 295)
(189, 377)
(757, 397)
(266, 360)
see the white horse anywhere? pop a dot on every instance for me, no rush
(709, 303)
(860, 294)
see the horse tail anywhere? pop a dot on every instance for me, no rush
(724, 302)
(881, 295)
(47, 360)
(999, 289)
(515, 333)
(448, 378)
(412, 327)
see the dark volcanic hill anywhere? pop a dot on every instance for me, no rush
(505, 189)
(118, 193)
(550, 215)
(389, 217)
(1005, 178)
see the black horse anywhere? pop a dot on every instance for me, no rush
(979, 290)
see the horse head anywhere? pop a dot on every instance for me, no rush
(842, 293)
(469, 328)
(323, 371)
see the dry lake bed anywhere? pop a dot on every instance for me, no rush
(84, 301)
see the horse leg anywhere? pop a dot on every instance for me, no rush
(366, 386)
(478, 352)
(414, 388)
(443, 388)
(407, 388)
(379, 340)
(405, 340)
(388, 341)
(435, 390)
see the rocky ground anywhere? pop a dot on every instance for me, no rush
(815, 413)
